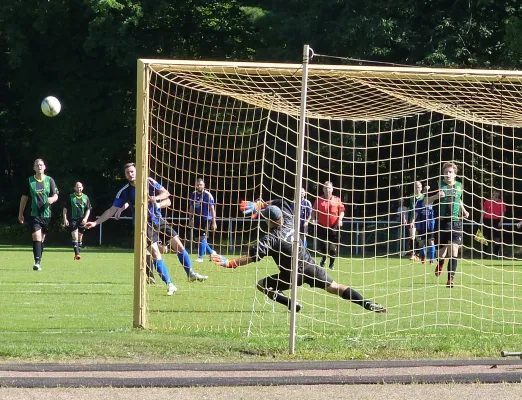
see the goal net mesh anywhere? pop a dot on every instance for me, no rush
(372, 132)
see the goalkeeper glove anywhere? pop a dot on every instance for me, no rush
(223, 262)
(251, 207)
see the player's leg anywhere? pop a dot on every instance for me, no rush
(35, 225)
(317, 277)
(432, 249)
(273, 287)
(413, 233)
(157, 258)
(456, 241)
(74, 236)
(322, 237)
(304, 233)
(183, 255)
(333, 244)
(81, 231)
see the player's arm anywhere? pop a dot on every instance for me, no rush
(87, 215)
(213, 215)
(233, 263)
(341, 214)
(463, 209)
(54, 193)
(23, 202)
(64, 215)
(120, 210)
(104, 217)
(160, 195)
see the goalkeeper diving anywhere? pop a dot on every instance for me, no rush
(278, 244)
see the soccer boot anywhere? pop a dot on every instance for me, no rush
(199, 259)
(449, 283)
(375, 307)
(439, 268)
(194, 276)
(37, 267)
(77, 257)
(171, 289)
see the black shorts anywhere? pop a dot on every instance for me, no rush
(490, 229)
(450, 232)
(310, 274)
(201, 228)
(328, 234)
(77, 224)
(38, 223)
(162, 232)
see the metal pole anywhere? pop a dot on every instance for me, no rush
(297, 194)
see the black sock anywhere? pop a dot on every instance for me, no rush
(75, 247)
(355, 297)
(452, 267)
(41, 253)
(323, 260)
(80, 244)
(281, 298)
(37, 251)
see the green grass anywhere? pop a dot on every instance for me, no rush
(81, 311)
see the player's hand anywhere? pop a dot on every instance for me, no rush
(191, 223)
(118, 213)
(90, 224)
(441, 194)
(251, 207)
(519, 225)
(50, 201)
(220, 261)
(340, 224)
(466, 214)
(21, 219)
(65, 222)
(152, 199)
(214, 226)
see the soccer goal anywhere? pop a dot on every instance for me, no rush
(370, 131)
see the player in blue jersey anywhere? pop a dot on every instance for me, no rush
(424, 222)
(306, 216)
(202, 214)
(156, 225)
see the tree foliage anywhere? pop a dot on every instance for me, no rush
(84, 52)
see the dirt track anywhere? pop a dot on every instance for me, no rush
(297, 380)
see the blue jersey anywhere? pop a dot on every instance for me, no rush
(127, 194)
(202, 203)
(306, 209)
(424, 215)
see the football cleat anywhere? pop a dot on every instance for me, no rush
(194, 276)
(171, 289)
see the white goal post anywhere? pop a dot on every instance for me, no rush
(266, 130)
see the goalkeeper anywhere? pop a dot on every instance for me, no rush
(278, 244)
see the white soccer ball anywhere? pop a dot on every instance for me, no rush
(51, 106)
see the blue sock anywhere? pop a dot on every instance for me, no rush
(184, 259)
(209, 249)
(432, 252)
(162, 271)
(202, 248)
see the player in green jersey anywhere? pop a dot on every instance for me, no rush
(42, 191)
(450, 222)
(80, 211)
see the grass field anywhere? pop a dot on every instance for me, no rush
(76, 310)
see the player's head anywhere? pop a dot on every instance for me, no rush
(417, 187)
(303, 193)
(495, 194)
(39, 166)
(78, 188)
(273, 216)
(449, 172)
(328, 189)
(200, 185)
(130, 172)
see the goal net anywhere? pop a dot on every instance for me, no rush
(370, 131)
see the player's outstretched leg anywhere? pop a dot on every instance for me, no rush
(349, 294)
(277, 295)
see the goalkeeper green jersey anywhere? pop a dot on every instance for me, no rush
(449, 205)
